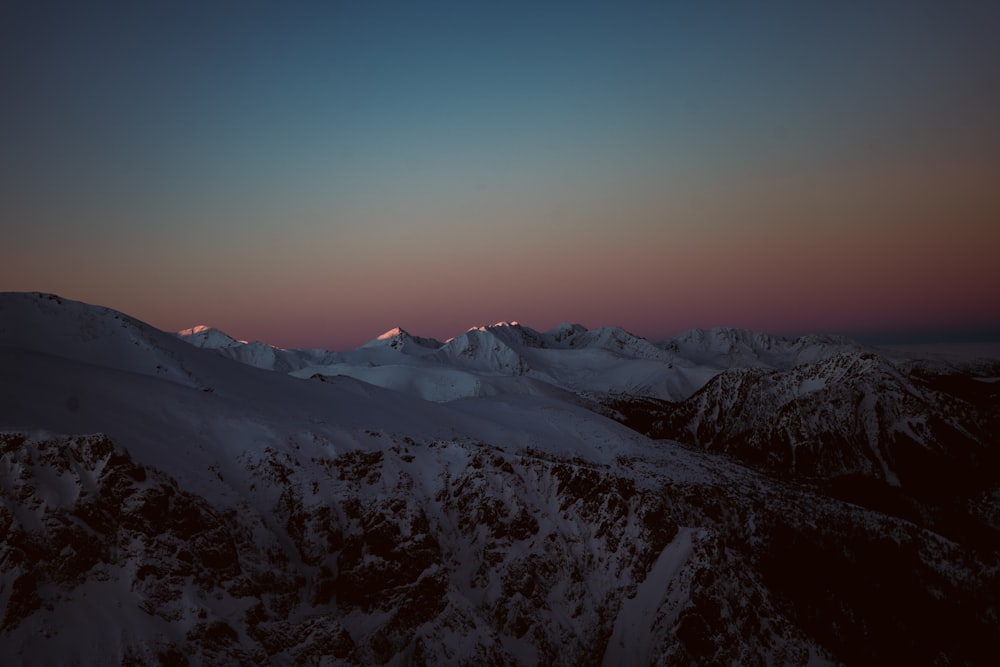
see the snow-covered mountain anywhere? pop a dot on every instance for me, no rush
(163, 503)
(257, 354)
(728, 348)
(401, 340)
(571, 357)
(855, 413)
(210, 337)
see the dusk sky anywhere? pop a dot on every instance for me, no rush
(311, 174)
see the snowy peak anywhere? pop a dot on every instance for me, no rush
(208, 337)
(395, 332)
(400, 339)
(197, 329)
(727, 341)
(513, 334)
(562, 333)
(619, 341)
(483, 350)
(729, 347)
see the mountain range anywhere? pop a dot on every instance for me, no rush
(507, 496)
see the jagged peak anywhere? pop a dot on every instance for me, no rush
(393, 337)
(206, 336)
(567, 326)
(197, 329)
(565, 330)
(503, 324)
(614, 332)
(395, 332)
(615, 329)
(397, 337)
(615, 339)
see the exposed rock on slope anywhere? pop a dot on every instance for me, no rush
(240, 516)
(850, 414)
(444, 553)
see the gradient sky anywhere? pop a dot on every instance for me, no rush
(314, 173)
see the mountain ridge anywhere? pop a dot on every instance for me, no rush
(160, 502)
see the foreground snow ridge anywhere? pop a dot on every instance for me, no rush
(509, 496)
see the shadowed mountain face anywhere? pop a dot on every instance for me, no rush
(850, 414)
(165, 504)
(917, 440)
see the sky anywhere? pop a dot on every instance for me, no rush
(311, 174)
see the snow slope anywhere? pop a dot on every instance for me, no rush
(165, 503)
(608, 360)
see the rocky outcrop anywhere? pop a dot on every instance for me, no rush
(451, 552)
(851, 414)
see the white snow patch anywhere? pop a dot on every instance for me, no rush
(631, 639)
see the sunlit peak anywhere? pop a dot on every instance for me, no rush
(393, 333)
(193, 330)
